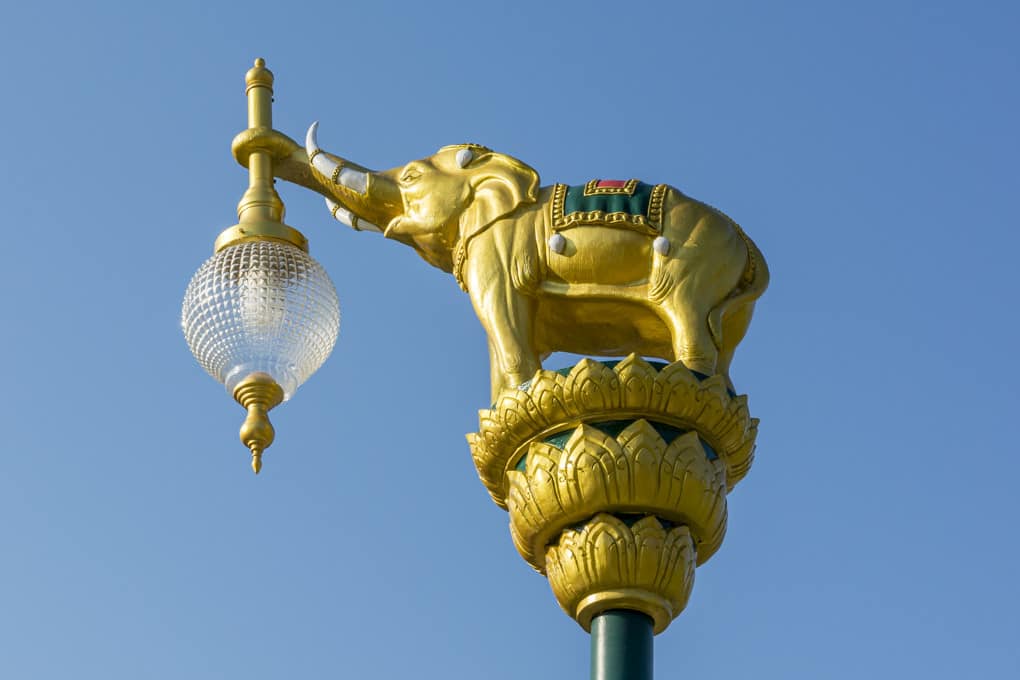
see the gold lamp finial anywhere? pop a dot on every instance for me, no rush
(258, 393)
(260, 76)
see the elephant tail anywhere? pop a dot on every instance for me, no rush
(752, 284)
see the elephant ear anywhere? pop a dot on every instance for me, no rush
(500, 184)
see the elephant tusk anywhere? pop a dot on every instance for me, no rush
(345, 216)
(661, 245)
(340, 213)
(315, 157)
(352, 179)
(464, 156)
(557, 243)
(355, 180)
(311, 143)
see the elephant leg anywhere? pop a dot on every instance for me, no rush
(512, 350)
(734, 326)
(692, 340)
(495, 372)
(507, 318)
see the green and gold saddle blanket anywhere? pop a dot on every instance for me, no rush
(626, 204)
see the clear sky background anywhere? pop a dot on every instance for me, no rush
(869, 148)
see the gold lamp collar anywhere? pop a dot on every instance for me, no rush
(260, 211)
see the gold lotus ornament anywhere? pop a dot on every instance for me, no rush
(615, 478)
(552, 402)
(634, 472)
(606, 564)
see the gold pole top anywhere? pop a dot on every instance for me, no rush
(258, 76)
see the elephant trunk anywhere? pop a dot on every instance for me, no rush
(365, 200)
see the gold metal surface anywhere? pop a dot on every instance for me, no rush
(573, 490)
(260, 211)
(278, 145)
(636, 472)
(489, 223)
(592, 392)
(257, 230)
(258, 394)
(606, 564)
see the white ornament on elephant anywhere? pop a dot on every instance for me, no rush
(464, 156)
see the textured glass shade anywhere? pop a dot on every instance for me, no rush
(261, 306)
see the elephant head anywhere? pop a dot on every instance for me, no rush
(431, 204)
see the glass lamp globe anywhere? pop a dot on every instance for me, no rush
(261, 307)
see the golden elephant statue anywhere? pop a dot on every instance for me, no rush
(605, 269)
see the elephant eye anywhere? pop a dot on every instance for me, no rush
(410, 175)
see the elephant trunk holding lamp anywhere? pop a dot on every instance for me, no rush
(614, 474)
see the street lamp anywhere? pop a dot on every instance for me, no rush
(614, 473)
(260, 315)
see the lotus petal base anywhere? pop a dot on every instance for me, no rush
(552, 402)
(606, 564)
(615, 477)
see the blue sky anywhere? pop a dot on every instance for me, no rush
(868, 148)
